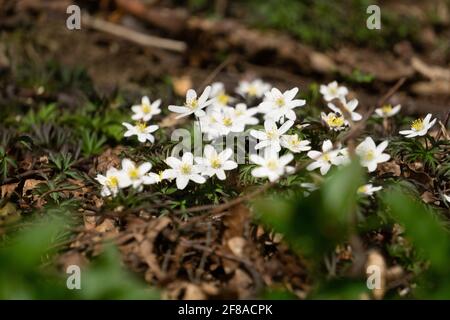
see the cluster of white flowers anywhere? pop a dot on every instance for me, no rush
(220, 114)
(143, 113)
(130, 175)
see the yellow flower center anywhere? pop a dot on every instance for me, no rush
(252, 91)
(193, 104)
(417, 125)
(112, 182)
(326, 157)
(280, 102)
(272, 165)
(272, 134)
(369, 155)
(294, 141)
(133, 173)
(333, 91)
(146, 108)
(141, 126)
(215, 163)
(334, 121)
(186, 168)
(227, 121)
(362, 189)
(223, 98)
(386, 108)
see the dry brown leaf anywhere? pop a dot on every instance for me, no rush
(6, 190)
(241, 283)
(389, 167)
(236, 245)
(428, 197)
(145, 249)
(106, 225)
(29, 185)
(108, 159)
(184, 291)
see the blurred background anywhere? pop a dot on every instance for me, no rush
(139, 44)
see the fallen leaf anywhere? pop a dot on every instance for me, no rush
(236, 245)
(389, 167)
(7, 190)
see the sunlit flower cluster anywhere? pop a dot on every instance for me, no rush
(273, 118)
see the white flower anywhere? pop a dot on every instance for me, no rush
(112, 181)
(271, 165)
(152, 178)
(325, 159)
(349, 106)
(310, 187)
(370, 154)
(255, 89)
(368, 189)
(270, 137)
(447, 198)
(220, 98)
(146, 110)
(277, 105)
(214, 164)
(193, 105)
(183, 170)
(294, 143)
(334, 121)
(419, 127)
(134, 175)
(141, 130)
(246, 115)
(387, 110)
(226, 122)
(333, 91)
(208, 125)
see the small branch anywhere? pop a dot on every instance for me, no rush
(216, 71)
(59, 190)
(133, 36)
(355, 130)
(26, 175)
(248, 265)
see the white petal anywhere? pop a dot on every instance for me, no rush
(144, 168)
(182, 182)
(188, 158)
(197, 178)
(285, 127)
(173, 162)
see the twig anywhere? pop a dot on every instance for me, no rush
(248, 265)
(216, 71)
(444, 126)
(26, 175)
(133, 36)
(59, 190)
(354, 131)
